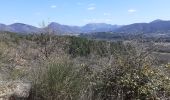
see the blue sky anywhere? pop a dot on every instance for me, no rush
(80, 12)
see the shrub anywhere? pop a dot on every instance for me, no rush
(131, 77)
(61, 82)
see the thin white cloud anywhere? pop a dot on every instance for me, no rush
(53, 6)
(91, 8)
(132, 10)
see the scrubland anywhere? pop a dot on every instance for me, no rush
(74, 68)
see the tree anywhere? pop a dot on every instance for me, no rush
(44, 40)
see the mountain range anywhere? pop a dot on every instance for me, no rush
(152, 27)
(156, 26)
(19, 28)
(58, 28)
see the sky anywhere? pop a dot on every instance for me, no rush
(81, 12)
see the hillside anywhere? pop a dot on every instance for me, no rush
(156, 26)
(51, 67)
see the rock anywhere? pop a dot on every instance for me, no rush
(14, 90)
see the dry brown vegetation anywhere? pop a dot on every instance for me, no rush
(73, 68)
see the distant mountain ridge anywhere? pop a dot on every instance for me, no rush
(152, 27)
(64, 29)
(23, 28)
(58, 28)
(88, 28)
(98, 27)
(156, 26)
(19, 28)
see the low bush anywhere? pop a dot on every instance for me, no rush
(62, 81)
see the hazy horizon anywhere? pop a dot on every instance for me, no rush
(47, 23)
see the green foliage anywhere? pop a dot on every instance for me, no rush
(131, 79)
(61, 82)
(16, 74)
(100, 48)
(84, 47)
(79, 46)
(11, 37)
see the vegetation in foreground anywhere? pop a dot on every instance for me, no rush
(73, 68)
